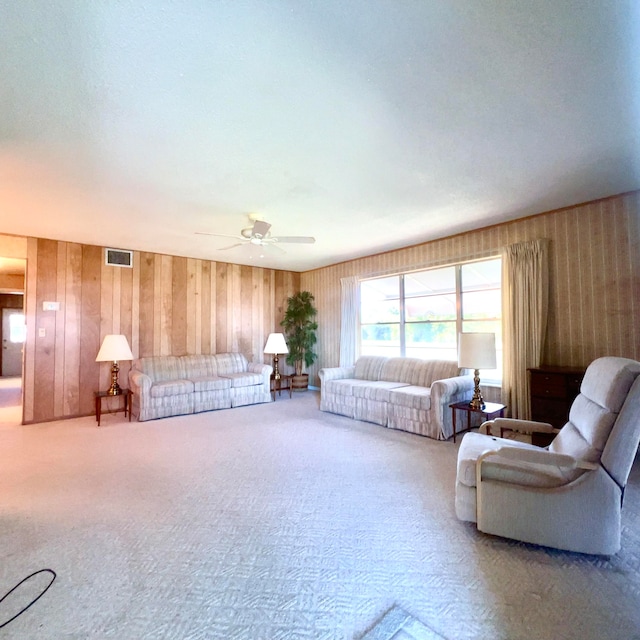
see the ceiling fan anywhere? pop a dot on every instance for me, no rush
(259, 235)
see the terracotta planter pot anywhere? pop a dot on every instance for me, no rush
(300, 383)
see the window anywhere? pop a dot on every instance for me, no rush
(420, 314)
(17, 328)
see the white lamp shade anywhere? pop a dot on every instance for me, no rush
(477, 350)
(114, 348)
(276, 344)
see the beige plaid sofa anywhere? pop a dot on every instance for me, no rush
(400, 393)
(166, 386)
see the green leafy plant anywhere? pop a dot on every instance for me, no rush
(300, 330)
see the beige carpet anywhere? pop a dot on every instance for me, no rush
(10, 401)
(278, 522)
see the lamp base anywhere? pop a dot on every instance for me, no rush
(276, 371)
(477, 402)
(114, 389)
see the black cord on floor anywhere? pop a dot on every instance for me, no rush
(35, 573)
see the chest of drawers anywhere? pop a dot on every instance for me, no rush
(552, 391)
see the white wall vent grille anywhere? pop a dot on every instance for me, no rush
(118, 258)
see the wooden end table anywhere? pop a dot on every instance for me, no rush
(283, 382)
(100, 395)
(491, 410)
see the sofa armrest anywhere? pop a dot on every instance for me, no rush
(265, 370)
(445, 392)
(450, 390)
(139, 383)
(258, 367)
(336, 373)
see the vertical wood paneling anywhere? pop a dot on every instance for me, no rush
(90, 327)
(245, 345)
(46, 327)
(146, 296)
(73, 322)
(126, 320)
(107, 273)
(194, 306)
(206, 308)
(166, 304)
(157, 305)
(234, 310)
(135, 305)
(60, 333)
(30, 348)
(178, 307)
(221, 307)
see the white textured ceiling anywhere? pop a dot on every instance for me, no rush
(368, 124)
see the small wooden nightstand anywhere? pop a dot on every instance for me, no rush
(491, 410)
(100, 395)
(283, 382)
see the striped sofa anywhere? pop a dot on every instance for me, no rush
(165, 386)
(400, 393)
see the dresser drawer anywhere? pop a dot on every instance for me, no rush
(548, 385)
(552, 391)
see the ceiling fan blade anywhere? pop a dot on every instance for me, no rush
(219, 235)
(298, 239)
(232, 246)
(260, 229)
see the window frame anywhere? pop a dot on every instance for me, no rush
(402, 322)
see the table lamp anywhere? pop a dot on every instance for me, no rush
(276, 345)
(114, 348)
(477, 351)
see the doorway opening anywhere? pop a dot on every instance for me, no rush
(12, 338)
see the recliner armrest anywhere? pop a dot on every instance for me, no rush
(521, 426)
(538, 456)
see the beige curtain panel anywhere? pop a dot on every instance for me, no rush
(350, 299)
(525, 300)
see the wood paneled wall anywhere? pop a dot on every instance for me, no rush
(165, 305)
(594, 288)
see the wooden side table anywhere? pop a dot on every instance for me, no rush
(100, 395)
(491, 410)
(283, 382)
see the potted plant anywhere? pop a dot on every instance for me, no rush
(300, 331)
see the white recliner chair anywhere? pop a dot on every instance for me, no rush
(569, 495)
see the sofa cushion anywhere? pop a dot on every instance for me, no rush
(369, 367)
(244, 379)
(171, 388)
(412, 397)
(399, 369)
(376, 390)
(160, 369)
(428, 371)
(210, 383)
(199, 366)
(344, 387)
(229, 363)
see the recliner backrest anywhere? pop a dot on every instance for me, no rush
(594, 412)
(622, 445)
